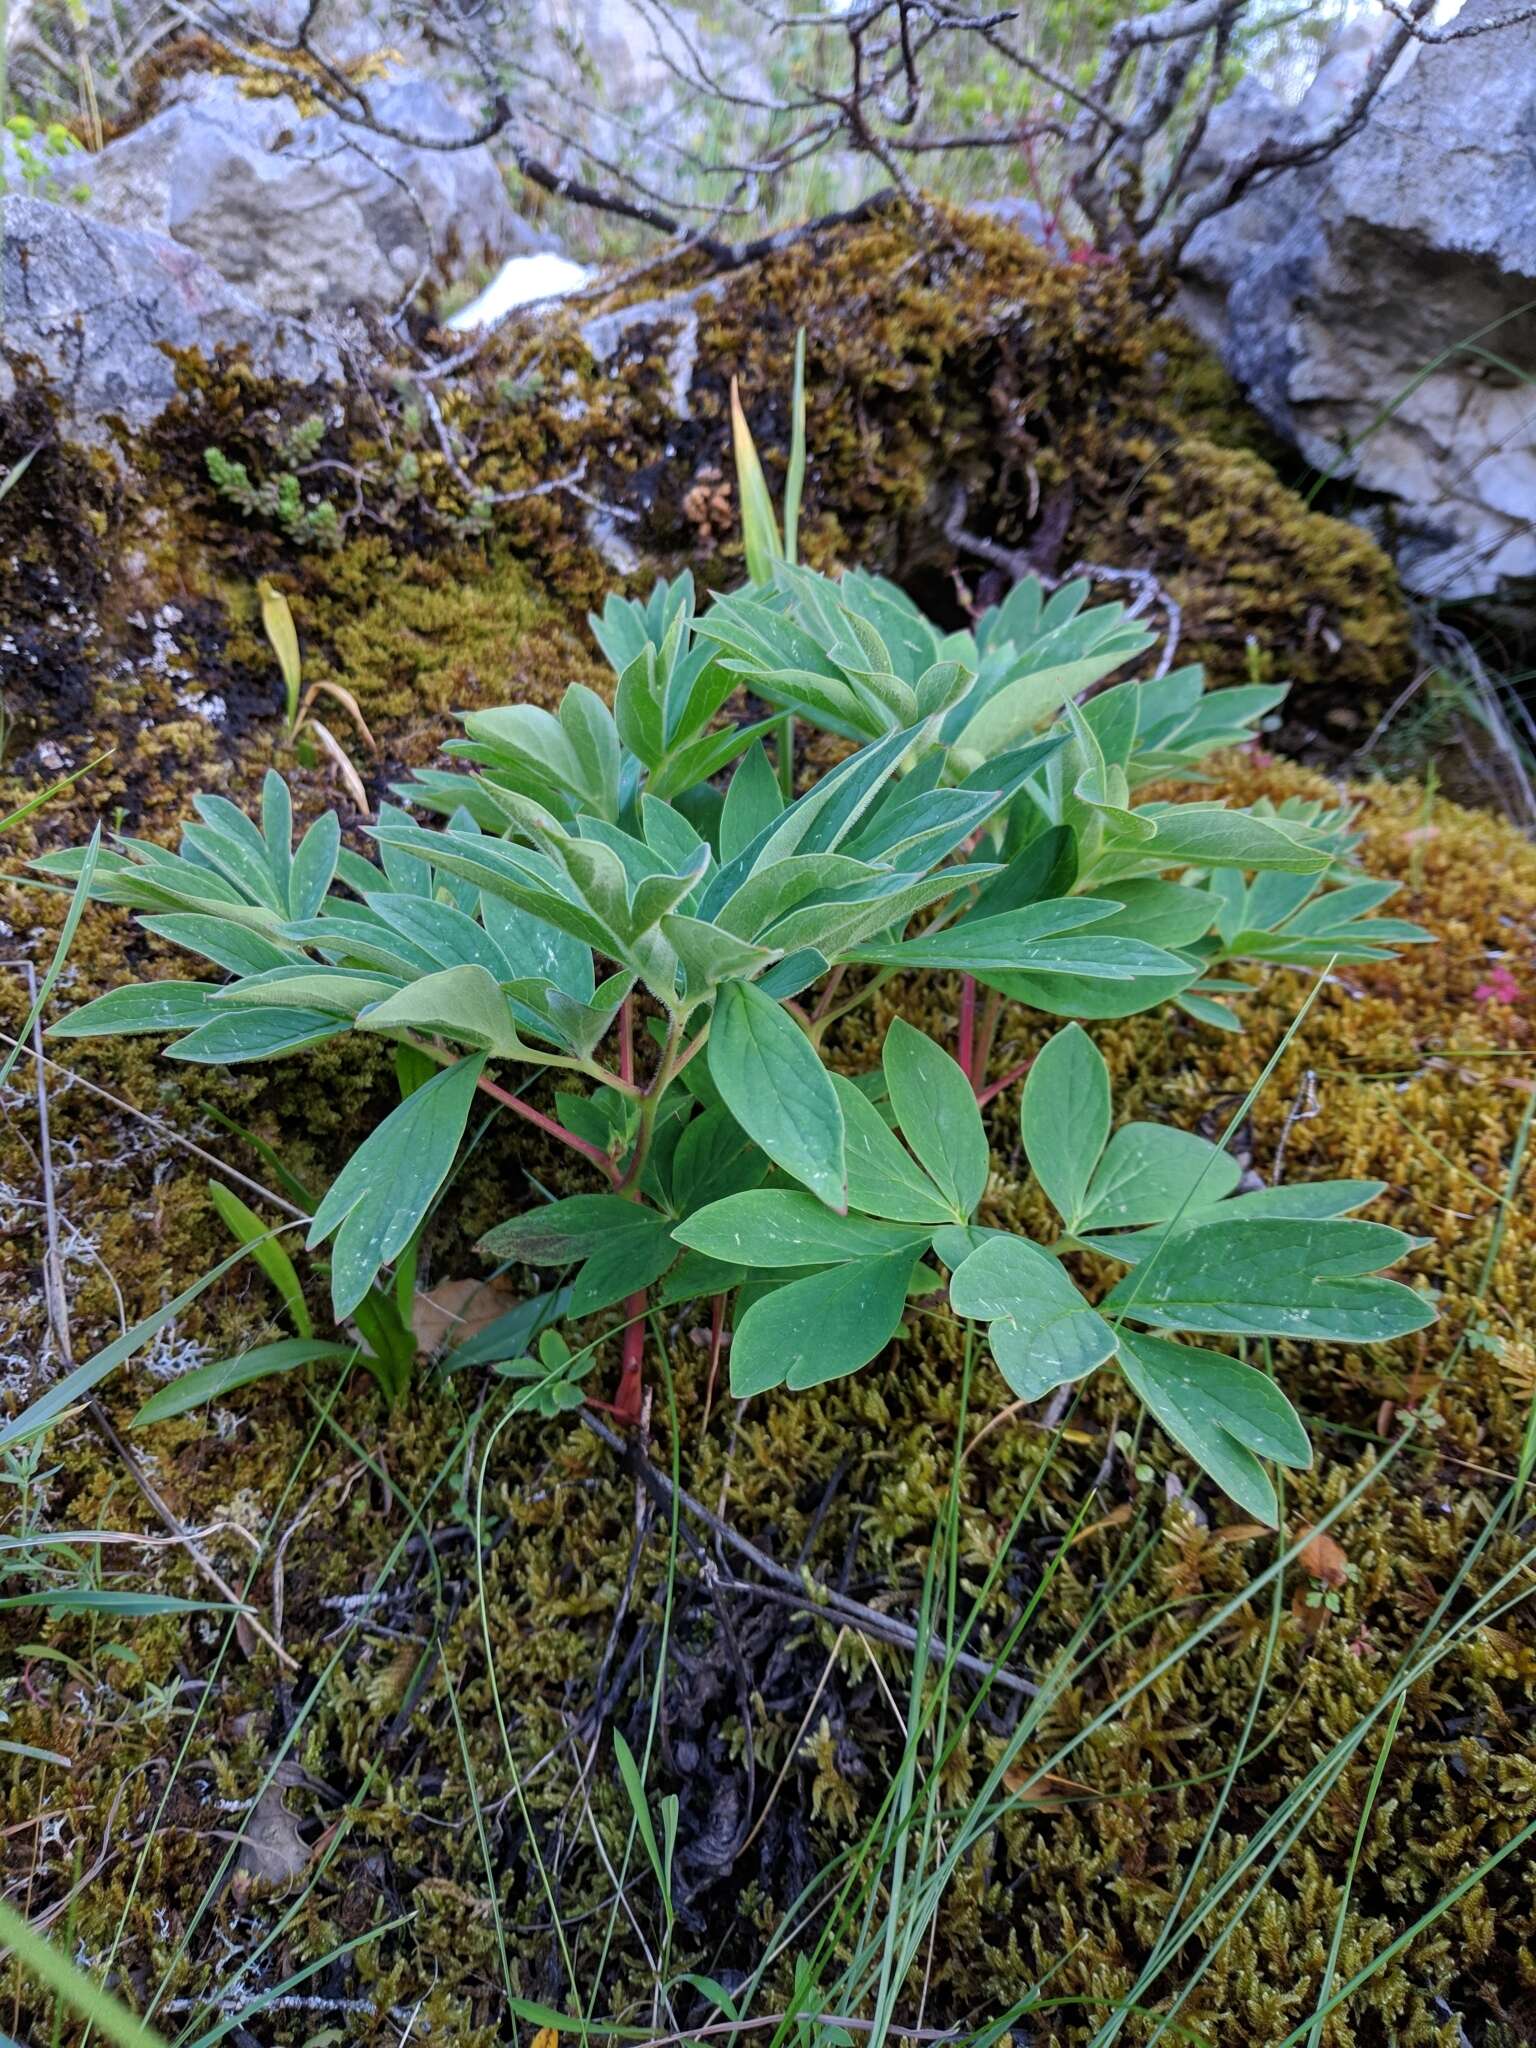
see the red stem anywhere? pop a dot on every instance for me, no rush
(716, 1345)
(1013, 1074)
(630, 1397)
(627, 1039)
(966, 1050)
(628, 1400)
(548, 1125)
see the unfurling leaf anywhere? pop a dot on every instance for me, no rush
(283, 637)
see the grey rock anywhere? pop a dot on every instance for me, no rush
(99, 305)
(1358, 301)
(312, 214)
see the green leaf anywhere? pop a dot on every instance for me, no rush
(1153, 1172)
(379, 1198)
(256, 1035)
(207, 1383)
(142, 1006)
(713, 1158)
(465, 1004)
(233, 947)
(759, 528)
(1111, 977)
(341, 990)
(72, 1987)
(794, 482)
(1275, 1277)
(625, 1245)
(625, 1262)
(709, 955)
(769, 1227)
(1041, 1330)
(637, 708)
(1215, 837)
(105, 1600)
(510, 1335)
(752, 802)
(1320, 1200)
(1225, 1415)
(773, 1082)
(634, 1788)
(561, 1233)
(819, 1328)
(314, 866)
(1064, 1118)
(1168, 914)
(268, 1252)
(883, 1178)
(936, 1109)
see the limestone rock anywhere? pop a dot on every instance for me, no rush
(98, 306)
(312, 214)
(1360, 302)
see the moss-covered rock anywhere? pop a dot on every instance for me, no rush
(962, 373)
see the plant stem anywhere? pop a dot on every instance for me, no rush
(876, 981)
(627, 1039)
(986, 1095)
(548, 1125)
(824, 1000)
(716, 1345)
(629, 1398)
(965, 1048)
(986, 1039)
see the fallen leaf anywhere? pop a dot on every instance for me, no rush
(272, 1849)
(1044, 1790)
(457, 1311)
(1324, 1559)
(1241, 1532)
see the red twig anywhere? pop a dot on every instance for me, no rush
(630, 1397)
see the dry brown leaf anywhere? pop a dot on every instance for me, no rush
(457, 1311)
(1044, 1790)
(342, 760)
(272, 1849)
(1324, 1559)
